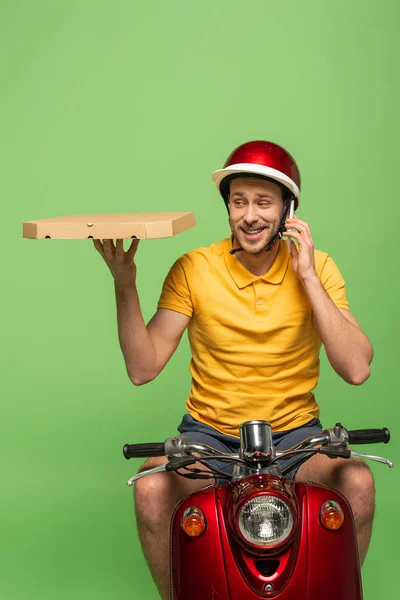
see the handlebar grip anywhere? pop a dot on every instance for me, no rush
(369, 436)
(144, 450)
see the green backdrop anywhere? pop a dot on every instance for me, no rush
(127, 106)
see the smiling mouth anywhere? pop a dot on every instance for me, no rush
(253, 233)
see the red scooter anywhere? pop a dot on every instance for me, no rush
(261, 535)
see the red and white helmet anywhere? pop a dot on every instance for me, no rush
(264, 159)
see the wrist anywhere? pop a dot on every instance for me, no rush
(310, 280)
(125, 285)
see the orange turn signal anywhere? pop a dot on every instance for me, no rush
(193, 522)
(331, 515)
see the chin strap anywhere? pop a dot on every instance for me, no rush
(277, 236)
(234, 250)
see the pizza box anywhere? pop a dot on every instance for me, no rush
(138, 225)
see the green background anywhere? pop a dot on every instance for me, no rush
(124, 106)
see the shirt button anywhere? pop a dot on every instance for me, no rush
(259, 301)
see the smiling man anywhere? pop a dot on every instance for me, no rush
(256, 314)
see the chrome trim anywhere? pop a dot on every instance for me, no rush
(193, 510)
(158, 469)
(379, 459)
(256, 441)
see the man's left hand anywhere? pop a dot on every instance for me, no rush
(303, 254)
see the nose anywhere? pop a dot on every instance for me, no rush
(251, 215)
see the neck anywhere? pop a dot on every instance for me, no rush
(258, 264)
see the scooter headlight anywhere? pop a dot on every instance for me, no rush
(265, 521)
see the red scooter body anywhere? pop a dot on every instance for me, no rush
(314, 564)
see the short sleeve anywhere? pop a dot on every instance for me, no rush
(333, 283)
(175, 293)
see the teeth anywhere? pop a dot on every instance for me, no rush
(253, 231)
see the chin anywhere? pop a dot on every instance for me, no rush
(253, 248)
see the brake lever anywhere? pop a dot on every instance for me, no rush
(344, 452)
(379, 459)
(174, 463)
(158, 469)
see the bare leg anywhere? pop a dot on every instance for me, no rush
(155, 499)
(354, 480)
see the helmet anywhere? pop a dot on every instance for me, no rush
(260, 159)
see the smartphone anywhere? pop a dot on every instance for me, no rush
(290, 216)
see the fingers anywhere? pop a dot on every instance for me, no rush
(297, 224)
(99, 247)
(295, 235)
(132, 249)
(109, 249)
(294, 251)
(301, 227)
(296, 219)
(119, 251)
(110, 252)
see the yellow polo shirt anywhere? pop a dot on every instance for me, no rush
(255, 351)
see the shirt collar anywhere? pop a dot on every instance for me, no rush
(242, 277)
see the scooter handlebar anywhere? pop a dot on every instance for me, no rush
(355, 436)
(144, 450)
(369, 436)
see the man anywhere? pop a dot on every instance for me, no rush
(256, 314)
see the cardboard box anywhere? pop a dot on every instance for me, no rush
(142, 226)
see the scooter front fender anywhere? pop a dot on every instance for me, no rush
(197, 564)
(319, 564)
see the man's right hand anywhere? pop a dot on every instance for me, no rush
(120, 263)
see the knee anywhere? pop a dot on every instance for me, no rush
(357, 483)
(359, 477)
(149, 492)
(150, 486)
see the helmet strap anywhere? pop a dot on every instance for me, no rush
(234, 250)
